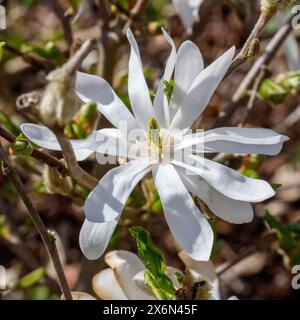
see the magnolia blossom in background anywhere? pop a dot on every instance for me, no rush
(124, 279)
(188, 11)
(226, 192)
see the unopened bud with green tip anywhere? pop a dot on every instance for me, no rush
(21, 146)
(269, 90)
(88, 112)
(290, 81)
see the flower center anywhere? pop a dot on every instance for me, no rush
(160, 143)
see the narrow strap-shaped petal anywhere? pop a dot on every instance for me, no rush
(160, 104)
(230, 210)
(94, 88)
(188, 226)
(94, 238)
(45, 138)
(137, 87)
(107, 200)
(108, 141)
(126, 265)
(189, 65)
(227, 181)
(235, 140)
(201, 91)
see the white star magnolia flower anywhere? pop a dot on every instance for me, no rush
(188, 11)
(124, 279)
(226, 192)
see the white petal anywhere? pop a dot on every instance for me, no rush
(188, 11)
(191, 230)
(189, 65)
(230, 210)
(45, 138)
(205, 270)
(244, 140)
(171, 273)
(107, 200)
(90, 87)
(94, 238)
(137, 87)
(126, 265)
(40, 135)
(201, 91)
(107, 287)
(235, 140)
(77, 295)
(160, 104)
(139, 280)
(112, 142)
(228, 181)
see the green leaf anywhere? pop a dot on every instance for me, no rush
(156, 278)
(271, 91)
(283, 234)
(8, 124)
(31, 278)
(154, 284)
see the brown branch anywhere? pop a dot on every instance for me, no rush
(136, 12)
(75, 61)
(35, 61)
(76, 171)
(253, 96)
(262, 244)
(38, 155)
(47, 237)
(262, 62)
(65, 21)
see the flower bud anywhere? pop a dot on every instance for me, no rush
(271, 6)
(56, 183)
(21, 147)
(59, 103)
(88, 111)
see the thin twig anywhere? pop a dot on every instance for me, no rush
(262, 244)
(136, 12)
(264, 60)
(75, 61)
(47, 237)
(35, 61)
(65, 21)
(76, 171)
(37, 154)
(253, 96)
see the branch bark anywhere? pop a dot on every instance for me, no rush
(37, 154)
(76, 171)
(47, 236)
(262, 62)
